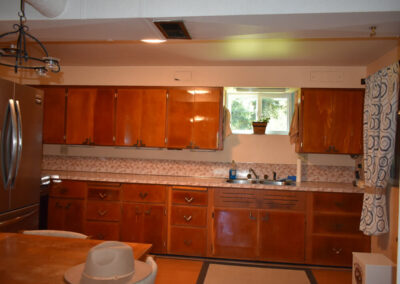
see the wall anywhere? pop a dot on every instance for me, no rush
(385, 60)
(242, 148)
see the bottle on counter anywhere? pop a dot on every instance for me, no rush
(232, 170)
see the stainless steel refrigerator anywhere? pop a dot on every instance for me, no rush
(21, 115)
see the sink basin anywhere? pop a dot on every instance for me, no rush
(243, 181)
(253, 181)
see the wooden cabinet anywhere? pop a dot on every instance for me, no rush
(90, 116)
(264, 224)
(54, 115)
(331, 121)
(188, 221)
(67, 206)
(144, 215)
(140, 117)
(333, 228)
(194, 118)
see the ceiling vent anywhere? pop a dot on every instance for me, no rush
(173, 29)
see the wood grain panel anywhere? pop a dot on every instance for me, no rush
(180, 118)
(336, 224)
(80, 114)
(144, 193)
(104, 194)
(54, 115)
(279, 199)
(103, 211)
(238, 198)
(104, 117)
(188, 241)
(102, 230)
(338, 202)
(189, 216)
(154, 110)
(68, 189)
(189, 197)
(128, 117)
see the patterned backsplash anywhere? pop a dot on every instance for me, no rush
(194, 169)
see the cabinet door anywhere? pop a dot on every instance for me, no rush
(128, 117)
(235, 233)
(54, 115)
(154, 108)
(206, 118)
(80, 114)
(104, 117)
(282, 236)
(55, 219)
(179, 118)
(74, 215)
(144, 223)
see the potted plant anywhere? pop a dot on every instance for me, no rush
(260, 125)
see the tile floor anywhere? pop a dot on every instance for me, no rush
(184, 271)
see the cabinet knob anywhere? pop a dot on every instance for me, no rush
(102, 212)
(337, 251)
(187, 218)
(143, 195)
(102, 195)
(68, 205)
(187, 242)
(189, 199)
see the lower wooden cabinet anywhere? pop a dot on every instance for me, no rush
(102, 230)
(188, 241)
(66, 214)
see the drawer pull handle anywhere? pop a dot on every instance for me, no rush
(147, 212)
(187, 218)
(187, 242)
(337, 251)
(58, 205)
(143, 195)
(251, 216)
(68, 206)
(102, 212)
(102, 195)
(189, 199)
(265, 218)
(137, 210)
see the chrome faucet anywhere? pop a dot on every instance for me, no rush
(274, 174)
(254, 173)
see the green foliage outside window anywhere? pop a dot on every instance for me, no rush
(241, 118)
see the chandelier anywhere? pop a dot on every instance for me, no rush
(17, 56)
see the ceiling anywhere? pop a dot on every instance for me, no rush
(296, 39)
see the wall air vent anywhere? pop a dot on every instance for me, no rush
(173, 29)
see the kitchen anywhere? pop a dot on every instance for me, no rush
(241, 148)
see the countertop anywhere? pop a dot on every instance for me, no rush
(199, 181)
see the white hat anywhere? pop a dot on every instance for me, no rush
(108, 262)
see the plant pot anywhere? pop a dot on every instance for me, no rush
(259, 127)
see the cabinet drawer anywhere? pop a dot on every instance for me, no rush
(278, 199)
(189, 216)
(106, 211)
(105, 194)
(337, 202)
(337, 250)
(188, 241)
(189, 197)
(336, 224)
(237, 198)
(68, 188)
(144, 193)
(102, 230)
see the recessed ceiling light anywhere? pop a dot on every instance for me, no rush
(153, 40)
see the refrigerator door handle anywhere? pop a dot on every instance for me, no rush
(19, 141)
(17, 219)
(9, 142)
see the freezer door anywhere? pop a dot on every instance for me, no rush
(29, 108)
(14, 221)
(6, 93)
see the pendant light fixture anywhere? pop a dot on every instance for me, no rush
(16, 55)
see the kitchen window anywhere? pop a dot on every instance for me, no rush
(249, 104)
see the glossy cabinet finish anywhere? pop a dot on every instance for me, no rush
(331, 121)
(144, 217)
(194, 118)
(141, 115)
(67, 206)
(333, 228)
(54, 113)
(90, 116)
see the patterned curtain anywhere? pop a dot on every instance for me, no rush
(380, 114)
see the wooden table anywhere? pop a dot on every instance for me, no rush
(40, 259)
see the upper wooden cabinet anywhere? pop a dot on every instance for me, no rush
(331, 121)
(54, 115)
(140, 117)
(194, 118)
(90, 116)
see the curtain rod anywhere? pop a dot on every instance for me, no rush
(363, 79)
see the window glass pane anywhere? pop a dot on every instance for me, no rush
(243, 109)
(277, 110)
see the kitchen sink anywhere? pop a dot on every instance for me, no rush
(253, 181)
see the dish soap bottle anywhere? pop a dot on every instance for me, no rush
(232, 171)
